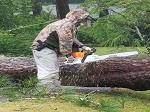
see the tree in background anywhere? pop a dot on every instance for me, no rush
(62, 8)
(130, 26)
(19, 26)
(6, 14)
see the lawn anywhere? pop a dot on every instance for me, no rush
(118, 100)
(24, 97)
(108, 50)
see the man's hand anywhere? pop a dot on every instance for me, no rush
(86, 48)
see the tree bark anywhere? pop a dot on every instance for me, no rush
(62, 8)
(127, 72)
(133, 73)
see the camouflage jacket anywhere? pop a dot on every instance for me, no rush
(65, 29)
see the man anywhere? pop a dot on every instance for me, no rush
(56, 39)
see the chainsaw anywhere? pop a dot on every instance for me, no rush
(90, 56)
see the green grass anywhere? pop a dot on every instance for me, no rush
(108, 50)
(15, 95)
(117, 100)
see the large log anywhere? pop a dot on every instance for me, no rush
(128, 72)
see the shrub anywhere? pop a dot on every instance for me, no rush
(15, 45)
(87, 37)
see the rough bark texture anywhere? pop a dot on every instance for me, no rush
(133, 73)
(17, 67)
(129, 72)
(62, 8)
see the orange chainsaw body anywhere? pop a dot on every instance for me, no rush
(78, 54)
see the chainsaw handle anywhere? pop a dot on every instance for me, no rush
(88, 53)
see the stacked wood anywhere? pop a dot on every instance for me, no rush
(127, 72)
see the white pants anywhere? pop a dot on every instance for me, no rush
(47, 67)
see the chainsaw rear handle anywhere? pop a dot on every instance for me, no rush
(93, 50)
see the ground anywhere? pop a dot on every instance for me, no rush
(130, 101)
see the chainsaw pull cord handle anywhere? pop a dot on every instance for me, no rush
(88, 53)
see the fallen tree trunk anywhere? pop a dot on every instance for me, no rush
(128, 72)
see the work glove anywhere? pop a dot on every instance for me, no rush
(86, 48)
(70, 59)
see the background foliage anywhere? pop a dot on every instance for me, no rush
(6, 14)
(69, 1)
(16, 36)
(128, 27)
